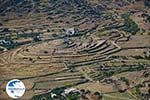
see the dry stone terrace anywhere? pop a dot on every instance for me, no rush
(71, 60)
(95, 46)
(54, 54)
(58, 55)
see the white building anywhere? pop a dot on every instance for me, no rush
(70, 31)
(67, 91)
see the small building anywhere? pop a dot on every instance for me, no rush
(70, 31)
(53, 95)
(71, 90)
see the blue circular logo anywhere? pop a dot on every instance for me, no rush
(15, 88)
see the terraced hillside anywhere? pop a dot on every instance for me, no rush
(99, 47)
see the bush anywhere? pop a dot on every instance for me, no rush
(129, 25)
(125, 80)
(147, 3)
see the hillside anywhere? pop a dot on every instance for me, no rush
(76, 49)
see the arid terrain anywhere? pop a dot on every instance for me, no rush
(76, 49)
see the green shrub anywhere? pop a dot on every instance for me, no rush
(129, 25)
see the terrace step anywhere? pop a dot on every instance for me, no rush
(93, 46)
(108, 50)
(99, 49)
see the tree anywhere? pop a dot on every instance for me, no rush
(88, 92)
(27, 50)
(45, 52)
(30, 59)
(82, 90)
(125, 80)
(98, 95)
